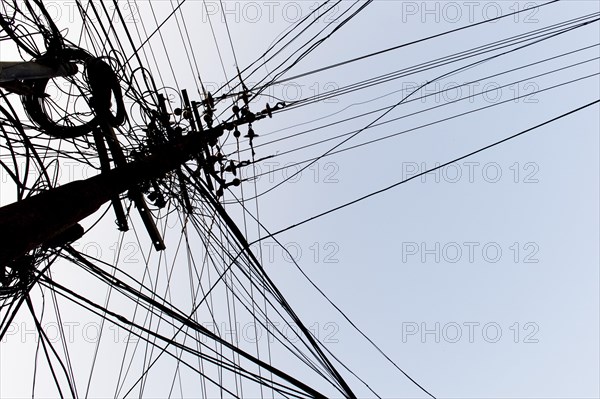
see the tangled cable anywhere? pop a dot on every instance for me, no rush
(102, 82)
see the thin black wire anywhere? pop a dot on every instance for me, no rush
(354, 117)
(347, 204)
(390, 109)
(479, 50)
(376, 53)
(429, 109)
(429, 123)
(272, 47)
(154, 32)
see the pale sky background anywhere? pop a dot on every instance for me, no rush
(515, 312)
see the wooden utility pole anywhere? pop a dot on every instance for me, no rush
(51, 218)
(13, 72)
(28, 224)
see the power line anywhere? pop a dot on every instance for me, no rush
(401, 46)
(347, 204)
(394, 106)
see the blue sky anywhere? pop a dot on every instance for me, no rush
(480, 280)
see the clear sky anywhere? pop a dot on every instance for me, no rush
(481, 279)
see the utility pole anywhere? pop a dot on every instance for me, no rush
(12, 72)
(52, 218)
(27, 224)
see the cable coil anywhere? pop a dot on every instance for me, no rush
(102, 82)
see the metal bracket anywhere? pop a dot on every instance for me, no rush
(11, 71)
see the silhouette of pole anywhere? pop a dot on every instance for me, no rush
(28, 224)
